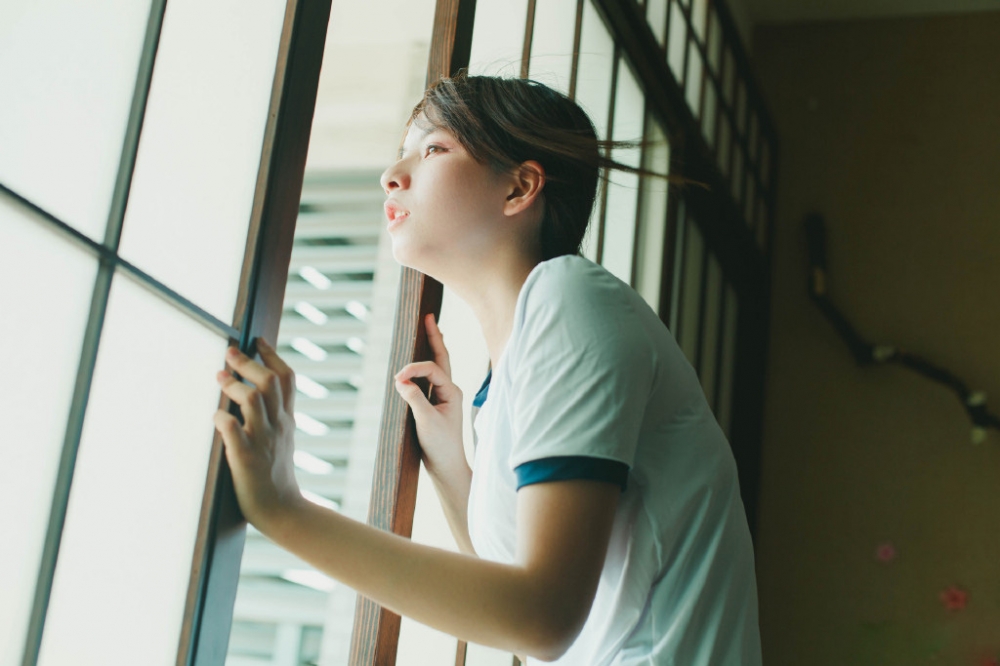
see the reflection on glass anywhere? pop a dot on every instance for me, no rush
(498, 37)
(623, 188)
(552, 43)
(710, 329)
(690, 306)
(125, 557)
(63, 119)
(44, 325)
(187, 217)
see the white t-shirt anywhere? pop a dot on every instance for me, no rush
(590, 370)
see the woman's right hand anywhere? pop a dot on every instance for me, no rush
(439, 420)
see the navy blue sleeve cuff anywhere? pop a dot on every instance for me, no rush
(565, 468)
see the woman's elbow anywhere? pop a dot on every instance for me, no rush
(553, 632)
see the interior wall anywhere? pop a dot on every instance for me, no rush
(889, 128)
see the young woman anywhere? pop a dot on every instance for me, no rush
(601, 521)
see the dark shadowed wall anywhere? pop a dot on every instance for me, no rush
(891, 130)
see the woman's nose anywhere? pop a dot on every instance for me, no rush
(394, 178)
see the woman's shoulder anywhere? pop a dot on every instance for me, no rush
(569, 277)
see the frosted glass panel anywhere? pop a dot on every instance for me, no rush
(653, 222)
(710, 338)
(125, 559)
(723, 411)
(63, 119)
(552, 43)
(690, 312)
(693, 82)
(498, 37)
(708, 115)
(199, 154)
(699, 17)
(714, 41)
(623, 190)
(45, 298)
(593, 73)
(677, 41)
(656, 16)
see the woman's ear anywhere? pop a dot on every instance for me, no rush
(526, 184)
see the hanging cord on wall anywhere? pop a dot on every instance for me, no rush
(866, 353)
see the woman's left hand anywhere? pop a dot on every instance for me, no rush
(260, 451)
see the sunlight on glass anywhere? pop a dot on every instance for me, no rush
(46, 360)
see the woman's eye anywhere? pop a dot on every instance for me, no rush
(433, 148)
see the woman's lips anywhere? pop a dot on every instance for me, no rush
(395, 214)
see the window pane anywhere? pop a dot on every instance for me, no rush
(45, 319)
(690, 305)
(656, 15)
(653, 222)
(49, 156)
(199, 153)
(593, 92)
(593, 73)
(710, 336)
(677, 41)
(708, 115)
(728, 77)
(714, 41)
(498, 37)
(125, 558)
(552, 43)
(699, 16)
(623, 188)
(693, 82)
(723, 411)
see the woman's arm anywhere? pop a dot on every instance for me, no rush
(537, 605)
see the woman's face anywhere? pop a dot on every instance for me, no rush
(443, 209)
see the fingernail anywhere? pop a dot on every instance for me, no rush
(233, 352)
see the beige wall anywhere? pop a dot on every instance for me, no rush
(890, 129)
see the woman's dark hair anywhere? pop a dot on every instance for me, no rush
(504, 122)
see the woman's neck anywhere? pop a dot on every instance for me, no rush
(491, 291)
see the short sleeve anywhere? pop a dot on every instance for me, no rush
(582, 369)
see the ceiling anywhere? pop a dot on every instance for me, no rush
(781, 11)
